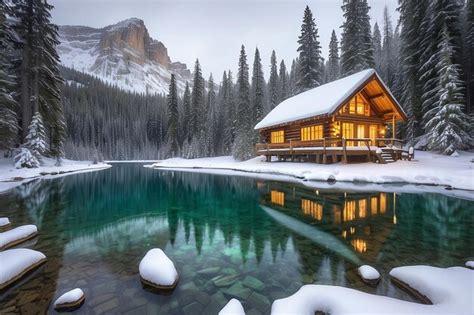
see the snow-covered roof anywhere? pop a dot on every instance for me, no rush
(321, 100)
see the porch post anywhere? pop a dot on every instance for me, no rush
(394, 132)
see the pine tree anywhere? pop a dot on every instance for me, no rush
(309, 49)
(172, 133)
(212, 127)
(228, 112)
(35, 140)
(197, 103)
(448, 126)
(39, 76)
(8, 106)
(243, 140)
(377, 46)
(187, 113)
(273, 91)
(284, 85)
(469, 54)
(357, 51)
(333, 67)
(258, 85)
(388, 53)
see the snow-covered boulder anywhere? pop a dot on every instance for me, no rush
(470, 264)
(15, 263)
(448, 289)
(233, 307)
(70, 300)
(157, 270)
(17, 235)
(369, 274)
(25, 158)
(4, 223)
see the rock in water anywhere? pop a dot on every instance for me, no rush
(15, 263)
(17, 235)
(70, 300)
(369, 275)
(157, 270)
(233, 307)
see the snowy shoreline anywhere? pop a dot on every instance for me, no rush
(11, 177)
(429, 172)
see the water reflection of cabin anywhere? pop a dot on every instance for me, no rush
(356, 215)
(345, 120)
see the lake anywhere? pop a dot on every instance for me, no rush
(229, 236)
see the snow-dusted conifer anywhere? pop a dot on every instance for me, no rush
(258, 86)
(172, 134)
(377, 45)
(284, 84)
(357, 51)
(333, 66)
(448, 126)
(24, 158)
(309, 48)
(35, 139)
(273, 86)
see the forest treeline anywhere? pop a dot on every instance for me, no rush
(426, 59)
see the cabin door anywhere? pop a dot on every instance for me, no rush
(348, 132)
(361, 133)
(373, 134)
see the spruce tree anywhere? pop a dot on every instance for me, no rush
(310, 74)
(172, 133)
(388, 53)
(258, 86)
(273, 91)
(243, 148)
(377, 46)
(284, 84)
(448, 126)
(357, 51)
(333, 67)
(469, 54)
(187, 113)
(35, 140)
(197, 103)
(212, 126)
(8, 106)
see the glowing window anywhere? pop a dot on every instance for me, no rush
(349, 211)
(278, 136)
(374, 205)
(312, 208)
(278, 197)
(312, 133)
(362, 208)
(383, 202)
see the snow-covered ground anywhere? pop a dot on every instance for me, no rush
(11, 177)
(427, 169)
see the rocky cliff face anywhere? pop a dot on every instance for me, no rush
(123, 54)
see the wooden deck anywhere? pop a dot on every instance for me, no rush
(334, 150)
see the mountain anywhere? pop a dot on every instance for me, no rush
(122, 54)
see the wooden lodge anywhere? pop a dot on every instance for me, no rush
(352, 119)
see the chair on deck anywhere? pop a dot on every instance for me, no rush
(409, 155)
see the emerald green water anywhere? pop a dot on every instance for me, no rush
(252, 239)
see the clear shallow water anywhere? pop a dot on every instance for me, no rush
(229, 237)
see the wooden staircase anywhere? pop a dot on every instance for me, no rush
(386, 156)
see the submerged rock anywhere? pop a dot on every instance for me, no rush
(157, 270)
(70, 300)
(224, 281)
(253, 283)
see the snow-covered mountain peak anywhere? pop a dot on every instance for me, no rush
(123, 54)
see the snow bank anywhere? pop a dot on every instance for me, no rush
(70, 299)
(157, 270)
(427, 169)
(470, 264)
(449, 289)
(4, 222)
(369, 273)
(11, 177)
(16, 263)
(233, 307)
(17, 235)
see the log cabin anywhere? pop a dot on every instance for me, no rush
(353, 119)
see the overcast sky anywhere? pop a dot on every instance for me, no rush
(213, 30)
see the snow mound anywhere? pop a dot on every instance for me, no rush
(449, 289)
(4, 222)
(470, 264)
(17, 235)
(157, 270)
(233, 307)
(16, 263)
(369, 273)
(70, 299)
